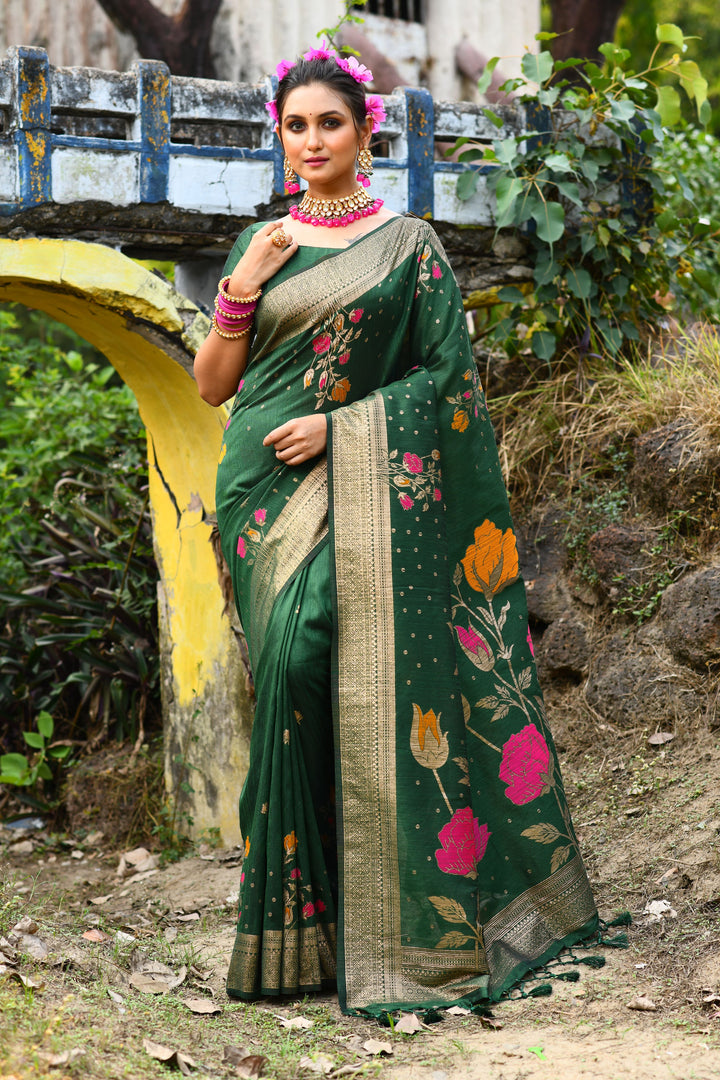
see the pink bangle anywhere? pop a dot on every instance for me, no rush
(230, 323)
(222, 288)
(233, 311)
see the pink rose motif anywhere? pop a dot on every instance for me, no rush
(322, 380)
(437, 495)
(319, 906)
(464, 843)
(356, 314)
(308, 910)
(295, 873)
(406, 502)
(228, 423)
(471, 640)
(322, 343)
(344, 358)
(260, 516)
(525, 766)
(412, 463)
(436, 271)
(530, 642)
(467, 394)
(242, 877)
(240, 385)
(241, 549)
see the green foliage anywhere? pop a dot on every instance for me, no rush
(584, 187)
(77, 572)
(21, 771)
(690, 163)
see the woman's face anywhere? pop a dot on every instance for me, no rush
(319, 136)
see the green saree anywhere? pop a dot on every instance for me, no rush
(406, 831)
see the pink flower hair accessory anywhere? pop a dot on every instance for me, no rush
(349, 64)
(375, 108)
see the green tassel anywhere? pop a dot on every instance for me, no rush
(620, 941)
(543, 990)
(623, 919)
(592, 961)
(568, 976)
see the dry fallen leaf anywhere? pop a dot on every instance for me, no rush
(457, 1010)
(26, 926)
(33, 946)
(318, 1063)
(642, 1004)
(660, 738)
(95, 935)
(100, 899)
(409, 1024)
(146, 984)
(233, 1055)
(374, 1046)
(57, 1060)
(300, 1022)
(202, 1006)
(656, 910)
(192, 916)
(169, 1057)
(492, 1023)
(253, 1065)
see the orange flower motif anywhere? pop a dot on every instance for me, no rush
(247, 846)
(428, 742)
(491, 562)
(290, 843)
(340, 390)
(460, 420)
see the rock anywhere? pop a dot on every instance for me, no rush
(619, 556)
(542, 556)
(675, 466)
(564, 650)
(629, 686)
(690, 618)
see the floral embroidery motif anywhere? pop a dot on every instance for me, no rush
(250, 536)
(467, 403)
(332, 349)
(428, 270)
(526, 766)
(491, 562)
(417, 478)
(453, 912)
(296, 896)
(464, 842)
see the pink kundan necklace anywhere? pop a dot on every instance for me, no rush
(335, 212)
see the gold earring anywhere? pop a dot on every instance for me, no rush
(291, 181)
(364, 162)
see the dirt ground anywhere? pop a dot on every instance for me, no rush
(649, 820)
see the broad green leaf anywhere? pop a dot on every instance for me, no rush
(705, 113)
(669, 34)
(559, 163)
(579, 282)
(707, 281)
(689, 74)
(60, 752)
(550, 220)
(537, 67)
(13, 764)
(545, 272)
(667, 221)
(570, 190)
(546, 35)
(630, 330)
(34, 739)
(614, 53)
(543, 344)
(506, 150)
(467, 184)
(619, 285)
(549, 97)
(45, 724)
(507, 190)
(43, 770)
(603, 235)
(668, 105)
(591, 169)
(510, 295)
(495, 120)
(622, 110)
(486, 77)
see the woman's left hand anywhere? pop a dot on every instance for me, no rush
(299, 439)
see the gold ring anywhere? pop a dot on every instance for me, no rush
(280, 239)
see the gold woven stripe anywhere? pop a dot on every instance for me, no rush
(315, 294)
(366, 705)
(294, 534)
(289, 960)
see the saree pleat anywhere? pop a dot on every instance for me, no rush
(406, 826)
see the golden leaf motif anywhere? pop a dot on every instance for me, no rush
(450, 910)
(428, 743)
(452, 940)
(544, 833)
(559, 856)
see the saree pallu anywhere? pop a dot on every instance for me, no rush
(406, 829)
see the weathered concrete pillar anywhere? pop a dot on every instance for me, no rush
(149, 333)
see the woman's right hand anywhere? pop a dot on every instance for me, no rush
(220, 362)
(261, 261)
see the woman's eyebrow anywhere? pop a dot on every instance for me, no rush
(331, 112)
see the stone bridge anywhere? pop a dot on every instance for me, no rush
(98, 166)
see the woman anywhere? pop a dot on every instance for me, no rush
(406, 831)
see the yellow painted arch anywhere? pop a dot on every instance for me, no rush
(149, 333)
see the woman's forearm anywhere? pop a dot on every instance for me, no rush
(218, 367)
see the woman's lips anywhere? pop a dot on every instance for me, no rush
(315, 161)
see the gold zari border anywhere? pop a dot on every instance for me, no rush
(288, 960)
(294, 534)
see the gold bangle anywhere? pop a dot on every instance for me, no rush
(238, 299)
(232, 315)
(225, 334)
